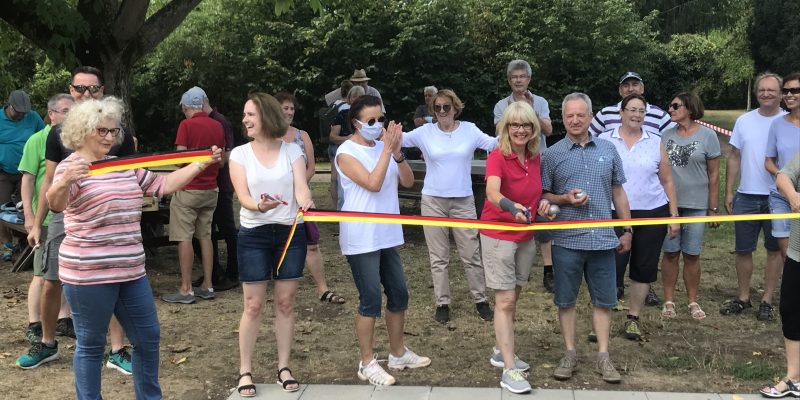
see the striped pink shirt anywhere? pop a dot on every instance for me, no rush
(103, 242)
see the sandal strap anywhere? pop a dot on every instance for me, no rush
(243, 374)
(791, 385)
(284, 369)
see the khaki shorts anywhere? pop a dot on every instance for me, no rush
(38, 254)
(55, 235)
(507, 264)
(190, 214)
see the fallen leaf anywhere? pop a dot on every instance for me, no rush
(181, 349)
(179, 362)
(756, 353)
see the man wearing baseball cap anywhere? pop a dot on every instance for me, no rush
(17, 124)
(656, 120)
(192, 208)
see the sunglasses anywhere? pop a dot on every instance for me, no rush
(103, 132)
(442, 108)
(83, 88)
(372, 121)
(792, 90)
(675, 106)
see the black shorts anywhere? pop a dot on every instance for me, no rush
(645, 246)
(790, 300)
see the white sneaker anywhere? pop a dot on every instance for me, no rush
(374, 373)
(409, 359)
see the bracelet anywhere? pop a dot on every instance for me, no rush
(258, 206)
(714, 209)
(402, 158)
(674, 215)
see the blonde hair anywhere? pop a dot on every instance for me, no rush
(84, 117)
(458, 105)
(522, 112)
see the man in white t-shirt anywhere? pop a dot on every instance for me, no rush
(519, 75)
(746, 161)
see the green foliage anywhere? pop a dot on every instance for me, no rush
(755, 371)
(774, 34)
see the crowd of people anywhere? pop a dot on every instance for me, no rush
(629, 160)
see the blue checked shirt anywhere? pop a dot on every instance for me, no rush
(595, 168)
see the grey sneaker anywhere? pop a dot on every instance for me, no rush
(497, 361)
(606, 368)
(514, 380)
(566, 366)
(179, 298)
(205, 294)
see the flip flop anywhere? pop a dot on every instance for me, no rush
(331, 297)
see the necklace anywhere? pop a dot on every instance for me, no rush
(453, 128)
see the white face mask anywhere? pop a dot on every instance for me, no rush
(370, 132)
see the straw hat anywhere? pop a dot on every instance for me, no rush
(359, 75)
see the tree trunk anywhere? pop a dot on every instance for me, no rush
(117, 83)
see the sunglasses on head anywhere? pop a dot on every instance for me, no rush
(372, 121)
(675, 106)
(445, 108)
(792, 90)
(83, 88)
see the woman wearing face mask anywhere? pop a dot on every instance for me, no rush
(651, 194)
(448, 147)
(313, 256)
(369, 173)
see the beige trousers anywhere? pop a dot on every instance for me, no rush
(438, 241)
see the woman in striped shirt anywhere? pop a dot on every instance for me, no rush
(101, 261)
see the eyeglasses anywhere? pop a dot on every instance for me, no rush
(675, 106)
(83, 88)
(104, 132)
(372, 121)
(442, 108)
(640, 110)
(519, 77)
(792, 90)
(516, 127)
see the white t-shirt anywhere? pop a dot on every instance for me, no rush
(448, 156)
(641, 164)
(276, 179)
(365, 237)
(540, 106)
(750, 135)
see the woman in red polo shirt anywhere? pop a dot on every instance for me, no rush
(513, 190)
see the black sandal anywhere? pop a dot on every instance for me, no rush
(771, 392)
(331, 297)
(249, 386)
(287, 382)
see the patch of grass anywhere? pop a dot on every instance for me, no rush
(722, 118)
(754, 371)
(673, 364)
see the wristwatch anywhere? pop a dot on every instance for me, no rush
(714, 209)
(627, 230)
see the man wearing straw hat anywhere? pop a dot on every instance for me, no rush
(360, 78)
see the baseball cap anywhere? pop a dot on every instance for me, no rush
(628, 75)
(193, 97)
(20, 101)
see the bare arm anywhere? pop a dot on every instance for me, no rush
(786, 187)
(713, 187)
(311, 163)
(731, 174)
(180, 178)
(334, 135)
(547, 125)
(769, 164)
(27, 187)
(665, 177)
(620, 199)
(301, 191)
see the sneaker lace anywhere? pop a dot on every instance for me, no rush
(125, 355)
(516, 374)
(36, 349)
(376, 374)
(607, 366)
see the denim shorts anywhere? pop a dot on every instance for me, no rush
(690, 238)
(373, 270)
(779, 205)
(259, 250)
(598, 266)
(747, 231)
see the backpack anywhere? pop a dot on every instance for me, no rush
(326, 115)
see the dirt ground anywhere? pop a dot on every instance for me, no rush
(199, 346)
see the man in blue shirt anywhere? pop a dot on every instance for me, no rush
(17, 124)
(584, 176)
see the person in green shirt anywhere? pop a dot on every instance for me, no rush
(37, 216)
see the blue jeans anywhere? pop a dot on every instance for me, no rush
(747, 231)
(598, 266)
(373, 270)
(92, 307)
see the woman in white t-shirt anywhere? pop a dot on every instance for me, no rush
(270, 182)
(369, 173)
(448, 147)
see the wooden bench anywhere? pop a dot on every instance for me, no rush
(25, 259)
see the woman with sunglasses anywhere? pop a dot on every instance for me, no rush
(783, 141)
(313, 256)
(693, 151)
(513, 193)
(448, 147)
(269, 177)
(102, 260)
(651, 194)
(369, 172)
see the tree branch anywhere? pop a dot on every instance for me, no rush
(129, 19)
(54, 30)
(160, 25)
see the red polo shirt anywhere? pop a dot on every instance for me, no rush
(519, 184)
(201, 132)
